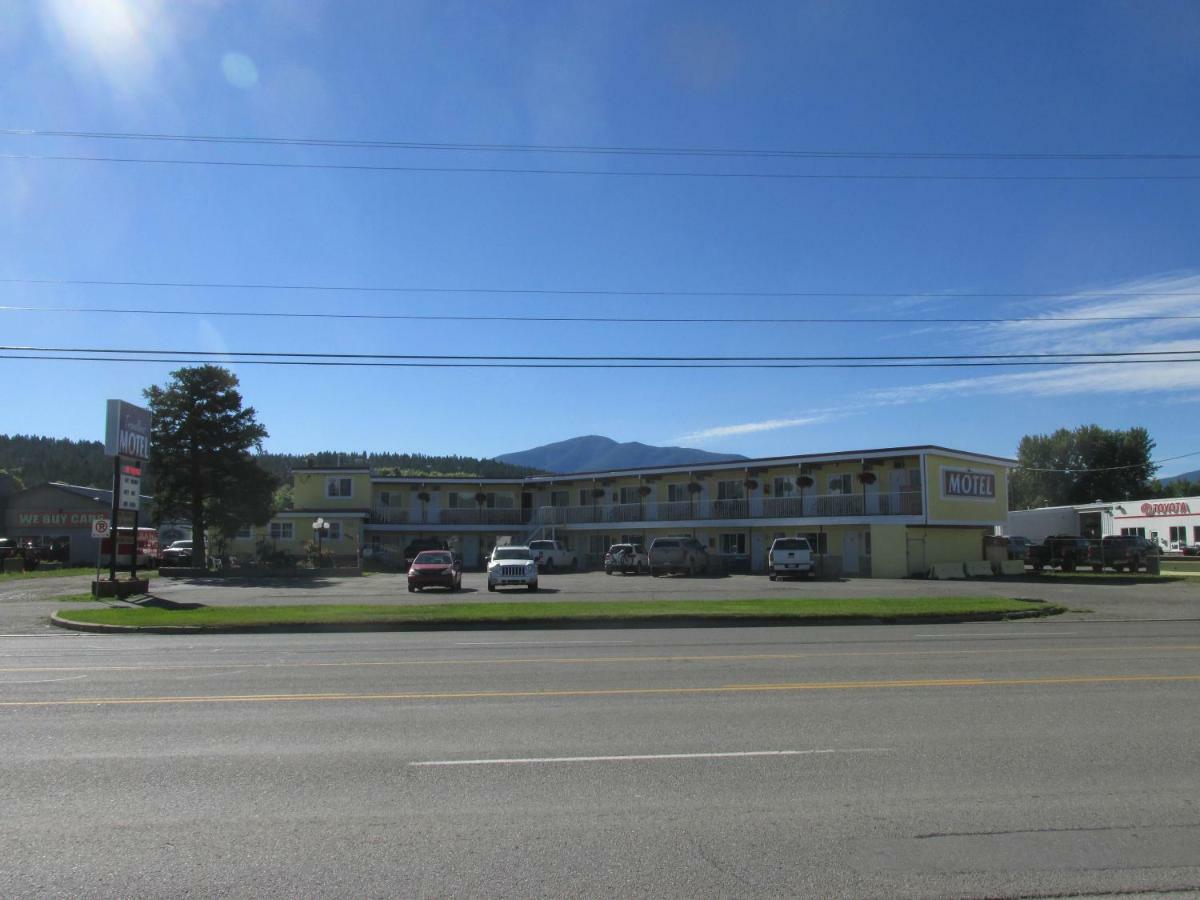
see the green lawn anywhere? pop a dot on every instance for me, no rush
(510, 613)
(48, 573)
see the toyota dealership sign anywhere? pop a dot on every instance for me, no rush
(1170, 508)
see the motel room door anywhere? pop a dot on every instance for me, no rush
(850, 550)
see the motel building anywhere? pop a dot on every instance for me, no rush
(889, 512)
(1165, 522)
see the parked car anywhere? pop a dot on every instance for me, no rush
(1064, 551)
(1122, 551)
(1192, 550)
(418, 544)
(551, 555)
(512, 566)
(790, 556)
(626, 559)
(671, 555)
(178, 554)
(435, 568)
(1018, 547)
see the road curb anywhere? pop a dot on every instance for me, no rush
(553, 623)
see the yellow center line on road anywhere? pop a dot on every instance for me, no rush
(579, 660)
(608, 692)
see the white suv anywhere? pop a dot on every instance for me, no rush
(512, 566)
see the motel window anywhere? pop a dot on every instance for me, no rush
(244, 533)
(282, 531)
(819, 541)
(733, 544)
(730, 490)
(585, 497)
(1196, 534)
(677, 492)
(783, 486)
(629, 494)
(339, 487)
(839, 484)
(385, 498)
(335, 531)
(560, 498)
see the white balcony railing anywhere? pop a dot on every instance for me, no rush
(810, 506)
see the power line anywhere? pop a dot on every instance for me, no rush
(1156, 463)
(586, 148)
(593, 320)
(613, 365)
(583, 292)
(1142, 356)
(622, 173)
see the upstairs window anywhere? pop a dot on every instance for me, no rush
(339, 487)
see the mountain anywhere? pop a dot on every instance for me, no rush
(594, 453)
(1193, 476)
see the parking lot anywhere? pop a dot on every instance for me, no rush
(25, 605)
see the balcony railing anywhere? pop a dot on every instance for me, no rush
(482, 516)
(811, 506)
(390, 515)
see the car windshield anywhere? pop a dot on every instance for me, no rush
(182, 545)
(792, 544)
(434, 558)
(541, 545)
(511, 553)
(665, 544)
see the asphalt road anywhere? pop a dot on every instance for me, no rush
(1010, 759)
(26, 605)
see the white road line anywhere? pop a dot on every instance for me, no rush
(642, 757)
(1007, 634)
(43, 680)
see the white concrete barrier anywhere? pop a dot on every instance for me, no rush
(978, 568)
(943, 571)
(1012, 567)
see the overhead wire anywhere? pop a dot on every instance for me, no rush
(618, 173)
(583, 292)
(593, 149)
(594, 320)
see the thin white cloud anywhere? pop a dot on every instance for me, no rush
(721, 431)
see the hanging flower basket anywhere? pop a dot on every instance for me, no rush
(866, 477)
(644, 490)
(481, 498)
(423, 497)
(598, 492)
(693, 487)
(750, 484)
(805, 481)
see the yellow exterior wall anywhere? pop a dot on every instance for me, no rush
(965, 509)
(949, 545)
(889, 551)
(308, 491)
(348, 543)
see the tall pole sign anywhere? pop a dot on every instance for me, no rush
(127, 441)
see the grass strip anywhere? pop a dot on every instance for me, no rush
(49, 573)
(516, 613)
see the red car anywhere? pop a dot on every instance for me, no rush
(435, 568)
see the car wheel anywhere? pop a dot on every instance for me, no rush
(533, 587)
(411, 589)
(608, 571)
(771, 576)
(1118, 569)
(549, 565)
(691, 568)
(491, 587)
(575, 563)
(1097, 569)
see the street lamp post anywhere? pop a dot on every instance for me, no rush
(320, 529)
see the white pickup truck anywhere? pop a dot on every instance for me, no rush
(551, 555)
(790, 556)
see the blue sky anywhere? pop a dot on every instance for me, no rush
(1088, 77)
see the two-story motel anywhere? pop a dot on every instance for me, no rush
(889, 512)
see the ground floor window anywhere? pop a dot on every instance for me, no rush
(733, 544)
(1135, 532)
(335, 531)
(244, 533)
(1179, 533)
(1196, 534)
(282, 531)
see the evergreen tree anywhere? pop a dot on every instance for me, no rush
(1081, 466)
(200, 453)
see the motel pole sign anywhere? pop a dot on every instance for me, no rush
(127, 441)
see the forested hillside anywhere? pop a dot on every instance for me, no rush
(30, 460)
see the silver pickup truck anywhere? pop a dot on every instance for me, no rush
(790, 556)
(683, 554)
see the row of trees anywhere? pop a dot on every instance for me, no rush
(1084, 465)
